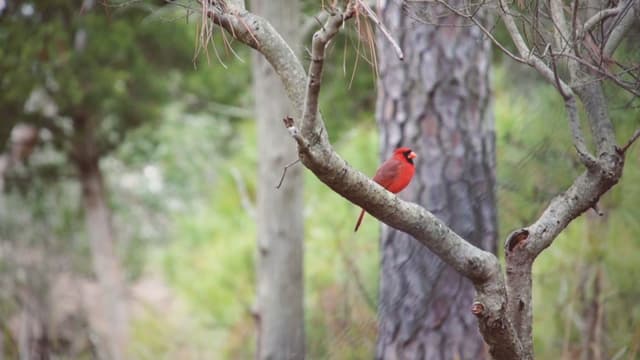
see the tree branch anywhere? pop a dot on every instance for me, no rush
(595, 106)
(492, 306)
(599, 17)
(486, 31)
(630, 142)
(576, 132)
(311, 127)
(582, 195)
(257, 32)
(524, 245)
(561, 30)
(574, 121)
(313, 21)
(519, 287)
(604, 74)
(317, 154)
(530, 58)
(621, 26)
(284, 170)
(481, 267)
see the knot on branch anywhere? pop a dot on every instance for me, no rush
(516, 239)
(610, 167)
(288, 122)
(477, 309)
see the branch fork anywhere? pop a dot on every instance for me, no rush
(503, 310)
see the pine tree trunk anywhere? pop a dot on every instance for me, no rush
(114, 330)
(437, 101)
(279, 311)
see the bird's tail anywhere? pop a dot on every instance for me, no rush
(359, 221)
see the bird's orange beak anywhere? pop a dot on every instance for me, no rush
(412, 155)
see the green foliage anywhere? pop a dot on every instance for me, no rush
(111, 65)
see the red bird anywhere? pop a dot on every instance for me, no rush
(395, 174)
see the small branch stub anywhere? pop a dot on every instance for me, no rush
(303, 145)
(477, 308)
(597, 210)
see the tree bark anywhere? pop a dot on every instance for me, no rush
(280, 293)
(436, 101)
(114, 330)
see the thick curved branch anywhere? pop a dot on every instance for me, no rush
(600, 16)
(316, 153)
(630, 11)
(330, 168)
(257, 32)
(481, 267)
(581, 196)
(602, 171)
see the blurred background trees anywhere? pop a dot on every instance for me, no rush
(174, 149)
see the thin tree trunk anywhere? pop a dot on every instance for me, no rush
(279, 311)
(106, 264)
(437, 101)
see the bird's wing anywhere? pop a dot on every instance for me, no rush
(387, 173)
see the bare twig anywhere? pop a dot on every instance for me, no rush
(312, 22)
(316, 154)
(524, 51)
(284, 172)
(372, 15)
(633, 138)
(556, 77)
(621, 26)
(484, 30)
(604, 74)
(312, 128)
(598, 18)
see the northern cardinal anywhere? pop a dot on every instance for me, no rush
(394, 174)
